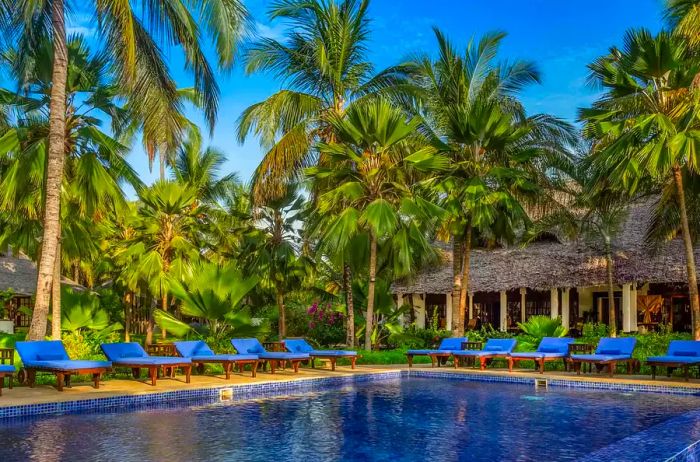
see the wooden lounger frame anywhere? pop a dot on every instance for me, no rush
(333, 359)
(274, 363)
(670, 366)
(153, 369)
(6, 354)
(63, 376)
(228, 365)
(610, 364)
(514, 359)
(482, 359)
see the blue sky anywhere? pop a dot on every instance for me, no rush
(560, 36)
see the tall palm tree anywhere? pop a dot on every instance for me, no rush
(323, 60)
(498, 156)
(95, 165)
(369, 165)
(132, 40)
(645, 123)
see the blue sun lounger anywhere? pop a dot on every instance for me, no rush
(6, 370)
(680, 353)
(51, 356)
(447, 346)
(494, 348)
(549, 349)
(132, 355)
(609, 352)
(252, 346)
(199, 353)
(299, 345)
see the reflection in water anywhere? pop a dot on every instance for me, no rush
(398, 420)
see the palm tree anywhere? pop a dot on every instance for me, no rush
(369, 165)
(595, 212)
(132, 41)
(164, 241)
(272, 248)
(498, 156)
(95, 165)
(645, 122)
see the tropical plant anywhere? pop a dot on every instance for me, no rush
(538, 327)
(164, 241)
(371, 161)
(497, 156)
(214, 294)
(132, 42)
(81, 311)
(644, 125)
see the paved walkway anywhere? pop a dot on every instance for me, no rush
(123, 387)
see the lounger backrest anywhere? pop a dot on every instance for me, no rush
(505, 345)
(623, 346)
(117, 351)
(190, 348)
(297, 345)
(42, 350)
(247, 346)
(453, 343)
(555, 345)
(684, 348)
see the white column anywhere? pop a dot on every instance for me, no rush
(471, 305)
(626, 308)
(565, 307)
(633, 308)
(399, 304)
(504, 311)
(523, 292)
(554, 302)
(448, 312)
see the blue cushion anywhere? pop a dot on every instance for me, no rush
(452, 343)
(505, 345)
(5, 368)
(684, 348)
(248, 346)
(297, 345)
(118, 351)
(190, 348)
(332, 353)
(49, 357)
(151, 360)
(621, 346)
(555, 345)
(674, 359)
(68, 364)
(282, 355)
(224, 357)
(31, 350)
(601, 358)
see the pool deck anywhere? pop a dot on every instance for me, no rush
(42, 394)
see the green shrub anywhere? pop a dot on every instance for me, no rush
(415, 337)
(536, 328)
(326, 324)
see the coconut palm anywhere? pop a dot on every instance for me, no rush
(164, 242)
(645, 123)
(132, 41)
(498, 156)
(95, 165)
(371, 161)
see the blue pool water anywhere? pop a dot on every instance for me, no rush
(410, 419)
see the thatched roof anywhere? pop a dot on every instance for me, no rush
(544, 265)
(19, 275)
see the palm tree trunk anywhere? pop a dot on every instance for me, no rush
(466, 267)
(282, 325)
(350, 307)
(612, 318)
(457, 249)
(54, 173)
(56, 296)
(161, 160)
(127, 315)
(150, 325)
(689, 254)
(370, 290)
(164, 307)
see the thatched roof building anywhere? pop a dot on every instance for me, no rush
(19, 273)
(543, 265)
(513, 283)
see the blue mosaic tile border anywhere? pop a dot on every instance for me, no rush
(565, 383)
(196, 396)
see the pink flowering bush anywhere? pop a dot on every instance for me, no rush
(326, 325)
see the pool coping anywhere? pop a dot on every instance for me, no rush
(237, 392)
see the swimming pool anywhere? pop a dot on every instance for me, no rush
(409, 419)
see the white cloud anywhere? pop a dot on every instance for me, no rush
(275, 32)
